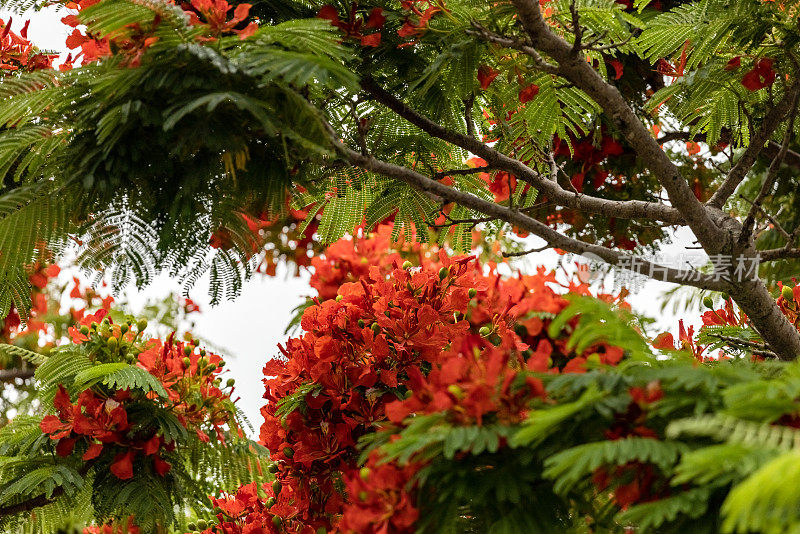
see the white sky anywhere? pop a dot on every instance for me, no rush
(250, 327)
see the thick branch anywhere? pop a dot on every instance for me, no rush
(582, 75)
(757, 143)
(775, 254)
(527, 223)
(627, 209)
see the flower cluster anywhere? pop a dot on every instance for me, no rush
(134, 39)
(17, 53)
(388, 337)
(100, 423)
(353, 25)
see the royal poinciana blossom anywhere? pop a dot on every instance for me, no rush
(439, 332)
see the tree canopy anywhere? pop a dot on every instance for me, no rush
(215, 137)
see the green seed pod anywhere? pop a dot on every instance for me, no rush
(472, 292)
(201, 524)
(364, 473)
(276, 487)
(141, 324)
(84, 330)
(187, 362)
(407, 265)
(288, 451)
(375, 327)
(485, 331)
(443, 272)
(230, 382)
(787, 293)
(708, 302)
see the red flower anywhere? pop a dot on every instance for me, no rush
(486, 76)
(762, 75)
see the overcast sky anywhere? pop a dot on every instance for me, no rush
(250, 327)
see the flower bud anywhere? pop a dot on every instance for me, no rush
(230, 382)
(787, 293)
(322, 530)
(443, 273)
(187, 362)
(288, 452)
(141, 324)
(277, 521)
(485, 331)
(361, 323)
(339, 298)
(708, 302)
(187, 350)
(375, 327)
(362, 496)
(725, 296)
(364, 473)
(123, 328)
(276, 487)
(472, 292)
(455, 390)
(407, 265)
(273, 467)
(221, 363)
(84, 330)
(111, 343)
(192, 526)
(270, 502)
(201, 524)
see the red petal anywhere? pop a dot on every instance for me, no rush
(528, 93)
(122, 468)
(65, 446)
(161, 467)
(486, 76)
(371, 40)
(49, 424)
(617, 64)
(734, 63)
(664, 341)
(93, 451)
(152, 445)
(329, 13)
(376, 18)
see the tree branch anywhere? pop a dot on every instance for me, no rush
(581, 74)
(626, 209)
(525, 222)
(769, 181)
